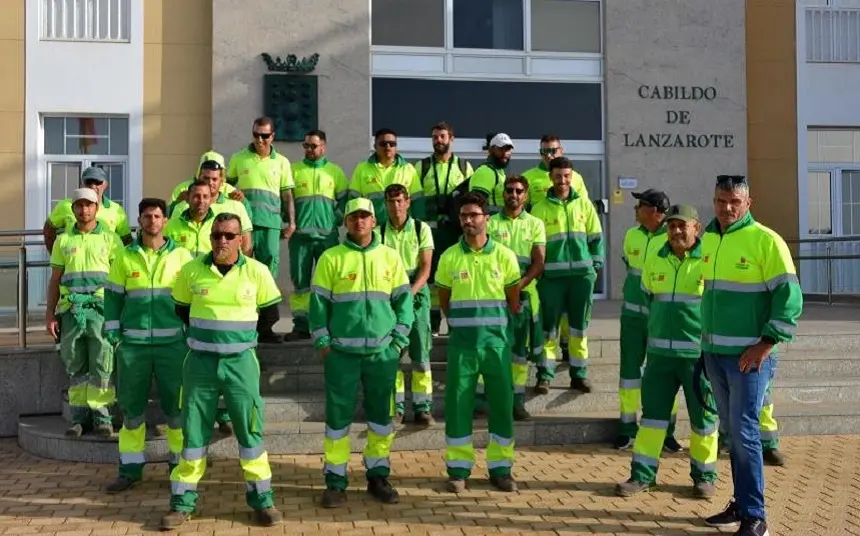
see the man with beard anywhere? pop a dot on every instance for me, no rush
(320, 197)
(574, 253)
(526, 237)
(478, 281)
(489, 178)
(180, 191)
(361, 315)
(538, 177)
(440, 174)
(80, 263)
(219, 297)
(139, 315)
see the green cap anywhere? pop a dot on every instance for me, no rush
(211, 156)
(359, 204)
(93, 173)
(682, 212)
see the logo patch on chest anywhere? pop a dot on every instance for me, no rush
(742, 264)
(462, 276)
(134, 275)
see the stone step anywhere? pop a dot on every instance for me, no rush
(43, 436)
(310, 406)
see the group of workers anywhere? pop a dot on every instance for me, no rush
(510, 260)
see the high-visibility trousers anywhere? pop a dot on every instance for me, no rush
(444, 236)
(304, 253)
(464, 366)
(206, 376)
(136, 364)
(420, 342)
(267, 247)
(660, 383)
(573, 295)
(343, 373)
(88, 359)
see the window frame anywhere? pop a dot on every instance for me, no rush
(836, 197)
(124, 25)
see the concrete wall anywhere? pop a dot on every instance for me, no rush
(671, 43)
(12, 55)
(31, 383)
(338, 30)
(831, 94)
(772, 101)
(177, 91)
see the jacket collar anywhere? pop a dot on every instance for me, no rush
(550, 194)
(168, 246)
(250, 148)
(186, 214)
(374, 241)
(398, 160)
(209, 259)
(98, 229)
(746, 221)
(488, 247)
(315, 163)
(694, 253)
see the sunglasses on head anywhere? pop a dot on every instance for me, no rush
(262, 135)
(211, 165)
(228, 236)
(511, 190)
(549, 151)
(387, 143)
(734, 179)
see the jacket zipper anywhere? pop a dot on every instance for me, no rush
(674, 289)
(713, 282)
(364, 279)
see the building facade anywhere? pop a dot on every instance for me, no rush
(647, 94)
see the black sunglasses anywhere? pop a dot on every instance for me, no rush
(514, 190)
(310, 146)
(386, 143)
(228, 236)
(262, 135)
(734, 179)
(212, 165)
(549, 151)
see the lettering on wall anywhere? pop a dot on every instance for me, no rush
(688, 138)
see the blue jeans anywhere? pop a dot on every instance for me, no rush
(740, 397)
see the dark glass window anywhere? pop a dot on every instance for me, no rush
(408, 23)
(494, 24)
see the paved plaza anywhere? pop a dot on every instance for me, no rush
(564, 490)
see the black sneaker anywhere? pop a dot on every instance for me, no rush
(332, 498)
(382, 491)
(773, 457)
(582, 385)
(670, 444)
(542, 387)
(119, 485)
(622, 442)
(504, 483)
(752, 527)
(728, 518)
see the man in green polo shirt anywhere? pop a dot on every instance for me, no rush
(478, 282)
(412, 239)
(110, 213)
(190, 229)
(489, 177)
(266, 178)
(180, 192)
(538, 177)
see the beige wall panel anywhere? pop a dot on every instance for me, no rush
(12, 193)
(181, 81)
(165, 171)
(178, 22)
(12, 19)
(12, 67)
(12, 132)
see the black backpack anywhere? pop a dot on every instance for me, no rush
(427, 164)
(418, 231)
(444, 203)
(461, 189)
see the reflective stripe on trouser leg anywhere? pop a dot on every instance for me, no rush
(168, 360)
(634, 340)
(495, 365)
(377, 377)
(420, 341)
(200, 389)
(659, 387)
(134, 368)
(553, 294)
(768, 426)
(100, 390)
(240, 383)
(300, 302)
(73, 353)
(342, 374)
(703, 424)
(521, 326)
(400, 393)
(461, 379)
(579, 302)
(301, 259)
(132, 447)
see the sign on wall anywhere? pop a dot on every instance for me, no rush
(291, 96)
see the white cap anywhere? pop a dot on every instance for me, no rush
(85, 193)
(502, 140)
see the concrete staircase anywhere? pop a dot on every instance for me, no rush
(816, 391)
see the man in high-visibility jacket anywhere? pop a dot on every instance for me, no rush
(752, 302)
(80, 262)
(489, 177)
(478, 283)
(538, 177)
(140, 316)
(110, 213)
(320, 195)
(266, 179)
(640, 243)
(180, 191)
(361, 315)
(440, 174)
(384, 167)
(525, 235)
(411, 238)
(219, 297)
(673, 284)
(574, 253)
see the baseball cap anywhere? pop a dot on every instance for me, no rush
(211, 156)
(656, 198)
(359, 204)
(86, 194)
(682, 212)
(502, 140)
(93, 173)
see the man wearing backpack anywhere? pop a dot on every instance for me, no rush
(411, 238)
(489, 177)
(440, 174)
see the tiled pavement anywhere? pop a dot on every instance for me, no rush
(564, 490)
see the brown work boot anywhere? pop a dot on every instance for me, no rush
(268, 517)
(542, 387)
(631, 488)
(225, 429)
(580, 384)
(424, 418)
(75, 430)
(704, 490)
(397, 420)
(104, 430)
(333, 498)
(174, 519)
(504, 483)
(456, 485)
(119, 485)
(521, 413)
